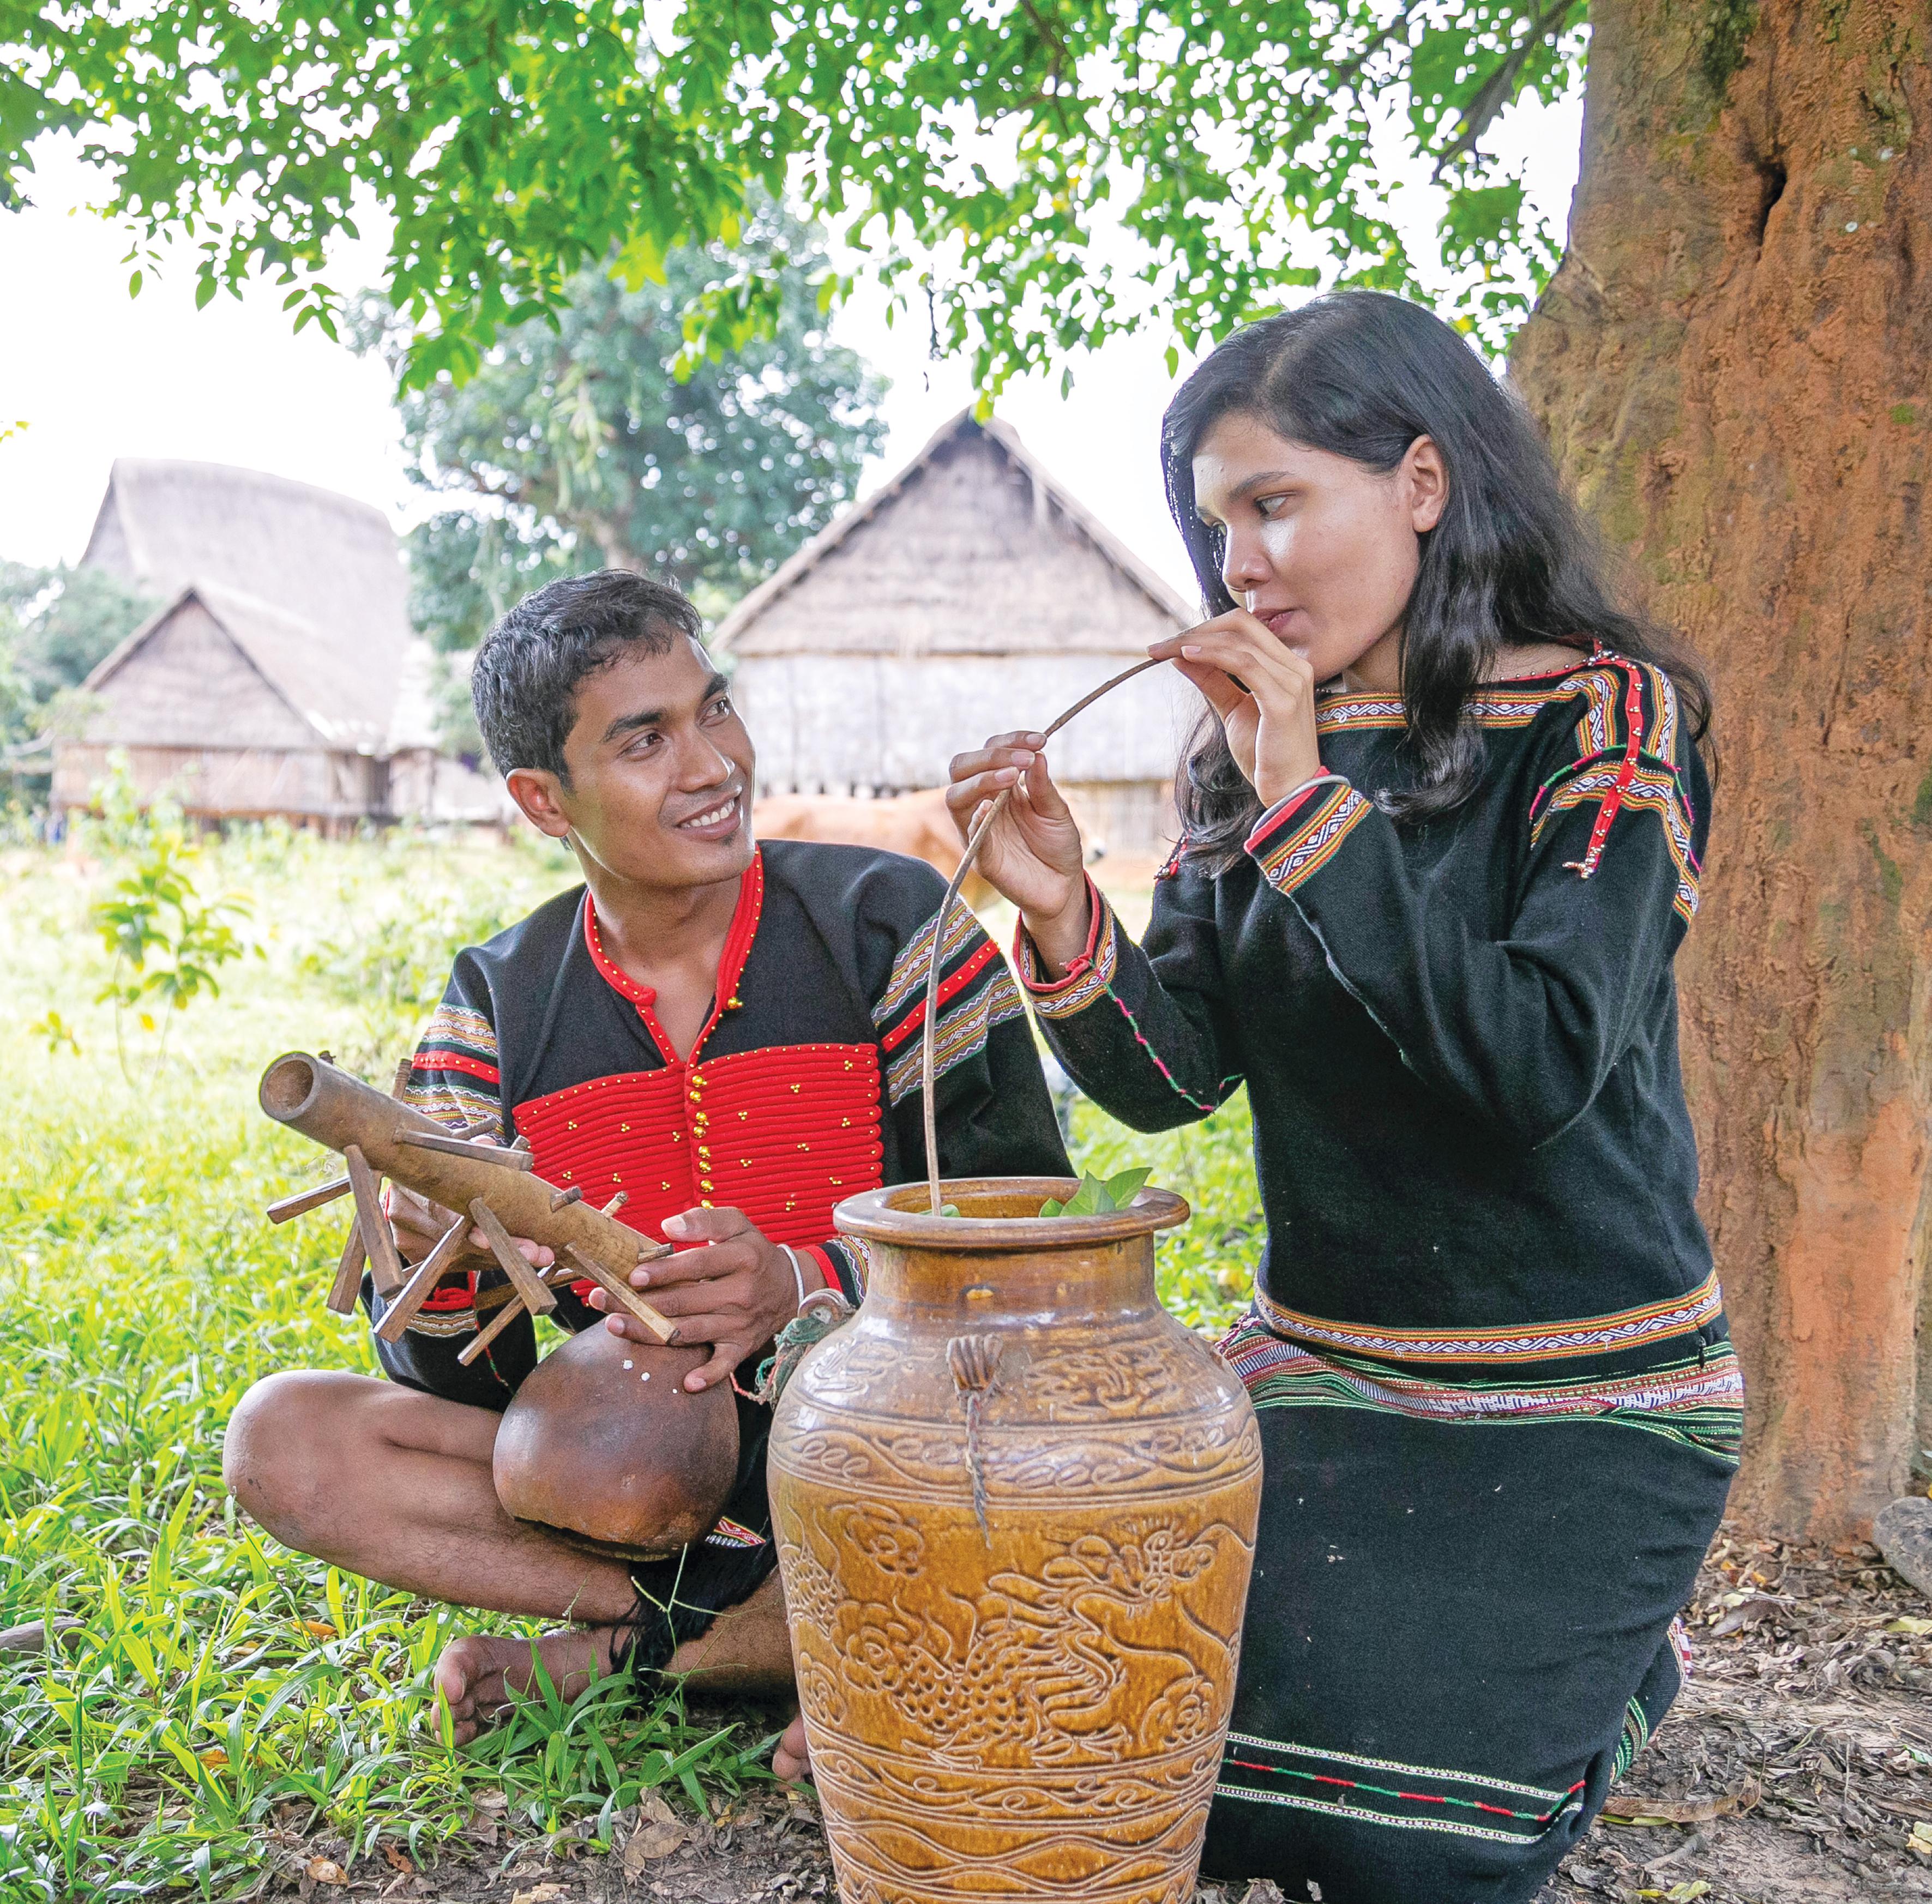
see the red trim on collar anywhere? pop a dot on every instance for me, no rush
(738, 938)
(614, 975)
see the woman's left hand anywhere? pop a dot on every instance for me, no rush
(1263, 693)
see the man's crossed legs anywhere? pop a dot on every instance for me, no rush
(395, 1485)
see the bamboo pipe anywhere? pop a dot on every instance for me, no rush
(974, 841)
(336, 1110)
(303, 1201)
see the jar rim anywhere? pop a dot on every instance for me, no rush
(902, 1214)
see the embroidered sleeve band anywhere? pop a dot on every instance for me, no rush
(976, 993)
(454, 1078)
(1089, 975)
(1292, 847)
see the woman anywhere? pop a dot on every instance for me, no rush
(1441, 835)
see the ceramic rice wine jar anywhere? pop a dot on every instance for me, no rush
(1016, 1505)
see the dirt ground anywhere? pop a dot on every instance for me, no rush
(1796, 1769)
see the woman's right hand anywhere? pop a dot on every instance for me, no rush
(1033, 854)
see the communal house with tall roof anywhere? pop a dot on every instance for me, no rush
(969, 596)
(279, 677)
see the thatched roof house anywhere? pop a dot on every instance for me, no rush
(970, 595)
(282, 677)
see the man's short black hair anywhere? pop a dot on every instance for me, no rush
(525, 681)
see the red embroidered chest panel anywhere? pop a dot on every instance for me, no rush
(781, 1133)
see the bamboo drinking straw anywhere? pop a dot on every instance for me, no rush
(974, 841)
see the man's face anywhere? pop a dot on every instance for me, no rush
(661, 772)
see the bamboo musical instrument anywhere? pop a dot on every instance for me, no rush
(496, 1188)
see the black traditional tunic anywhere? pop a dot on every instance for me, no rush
(1499, 1405)
(802, 1089)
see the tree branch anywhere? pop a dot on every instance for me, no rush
(1493, 94)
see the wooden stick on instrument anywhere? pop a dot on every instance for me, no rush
(558, 1272)
(411, 1297)
(286, 1208)
(507, 1156)
(621, 1293)
(348, 1284)
(570, 1196)
(508, 1314)
(387, 1265)
(530, 1288)
(616, 1203)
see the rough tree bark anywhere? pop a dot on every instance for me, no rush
(1734, 364)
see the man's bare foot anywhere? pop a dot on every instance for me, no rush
(746, 1649)
(792, 1760)
(478, 1673)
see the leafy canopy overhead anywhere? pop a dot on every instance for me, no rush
(977, 146)
(576, 445)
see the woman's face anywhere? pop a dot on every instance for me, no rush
(1320, 548)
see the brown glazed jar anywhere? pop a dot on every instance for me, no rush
(1022, 1694)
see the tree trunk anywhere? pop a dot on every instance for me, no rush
(1734, 364)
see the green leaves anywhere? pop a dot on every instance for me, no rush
(167, 942)
(225, 1699)
(698, 424)
(1099, 1196)
(976, 154)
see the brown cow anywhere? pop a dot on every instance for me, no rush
(916, 824)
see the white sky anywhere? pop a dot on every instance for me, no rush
(94, 374)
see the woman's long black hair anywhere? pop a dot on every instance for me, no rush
(1363, 375)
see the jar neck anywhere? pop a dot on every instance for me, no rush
(1108, 1281)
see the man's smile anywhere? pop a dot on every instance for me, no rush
(718, 820)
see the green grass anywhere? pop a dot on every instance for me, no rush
(225, 1700)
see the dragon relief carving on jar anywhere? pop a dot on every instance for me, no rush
(1015, 1508)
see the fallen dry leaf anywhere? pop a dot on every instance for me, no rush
(1683, 1811)
(658, 1832)
(1905, 1624)
(32, 1637)
(324, 1871)
(1747, 1610)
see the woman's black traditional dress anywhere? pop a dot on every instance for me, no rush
(1498, 1403)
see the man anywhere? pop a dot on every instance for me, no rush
(726, 1033)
